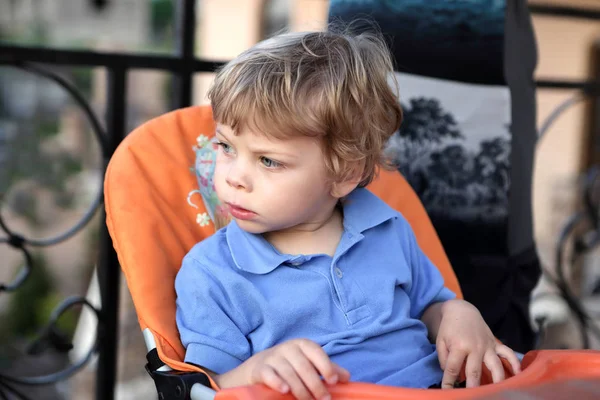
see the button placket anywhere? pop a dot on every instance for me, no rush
(339, 290)
(348, 240)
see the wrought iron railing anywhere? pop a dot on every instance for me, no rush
(183, 65)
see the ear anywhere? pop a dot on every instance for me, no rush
(343, 188)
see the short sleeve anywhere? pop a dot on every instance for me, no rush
(427, 282)
(210, 328)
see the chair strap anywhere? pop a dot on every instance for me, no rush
(154, 361)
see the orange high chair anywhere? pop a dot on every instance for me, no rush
(153, 226)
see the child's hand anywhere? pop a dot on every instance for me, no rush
(464, 337)
(295, 366)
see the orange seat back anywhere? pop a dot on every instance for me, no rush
(152, 225)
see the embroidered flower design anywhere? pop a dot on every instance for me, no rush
(202, 140)
(205, 164)
(202, 219)
(203, 181)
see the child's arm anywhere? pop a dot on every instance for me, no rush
(457, 327)
(461, 335)
(432, 317)
(213, 325)
(294, 366)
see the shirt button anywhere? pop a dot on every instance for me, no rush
(295, 264)
(338, 272)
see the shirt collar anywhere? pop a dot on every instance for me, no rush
(253, 253)
(363, 210)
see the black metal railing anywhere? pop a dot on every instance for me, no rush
(183, 65)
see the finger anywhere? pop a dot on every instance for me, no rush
(343, 373)
(268, 376)
(506, 352)
(492, 361)
(319, 358)
(454, 364)
(308, 374)
(473, 369)
(287, 372)
(442, 353)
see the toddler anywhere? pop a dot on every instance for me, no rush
(316, 280)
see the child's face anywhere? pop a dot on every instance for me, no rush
(271, 184)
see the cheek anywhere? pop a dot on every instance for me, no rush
(298, 191)
(219, 176)
(317, 182)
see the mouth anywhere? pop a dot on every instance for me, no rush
(240, 213)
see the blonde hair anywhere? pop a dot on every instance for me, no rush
(328, 85)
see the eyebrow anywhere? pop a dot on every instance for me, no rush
(275, 153)
(263, 151)
(220, 132)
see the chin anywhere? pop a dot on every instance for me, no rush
(252, 227)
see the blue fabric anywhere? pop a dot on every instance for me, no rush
(237, 295)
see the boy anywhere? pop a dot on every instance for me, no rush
(316, 277)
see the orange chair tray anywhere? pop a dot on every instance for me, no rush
(547, 374)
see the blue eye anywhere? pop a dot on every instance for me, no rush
(267, 162)
(226, 148)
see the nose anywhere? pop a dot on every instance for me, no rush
(237, 177)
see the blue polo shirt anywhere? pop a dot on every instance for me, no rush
(237, 296)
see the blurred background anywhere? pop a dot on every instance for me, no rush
(51, 165)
